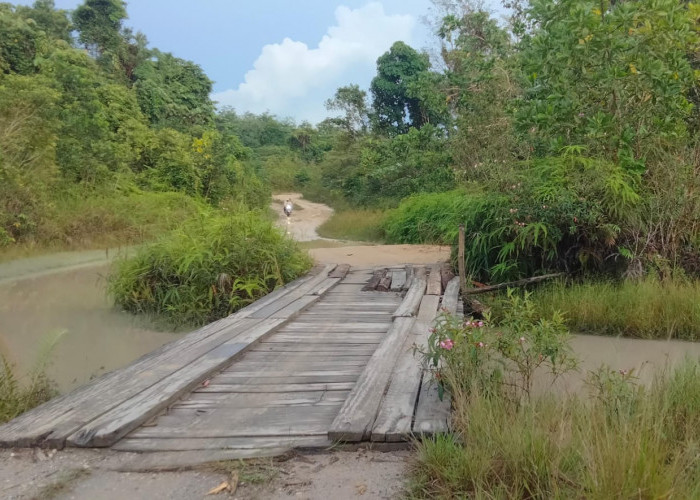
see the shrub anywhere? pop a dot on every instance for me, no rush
(208, 269)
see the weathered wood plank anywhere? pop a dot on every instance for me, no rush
(262, 388)
(237, 400)
(120, 420)
(295, 307)
(411, 301)
(374, 280)
(384, 283)
(218, 443)
(398, 279)
(432, 415)
(451, 296)
(434, 281)
(355, 419)
(233, 378)
(242, 422)
(326, 285)
(395, 415)
(340, 271)
(321, 349)
(410, 270)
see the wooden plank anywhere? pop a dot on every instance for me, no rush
(411, 301)
(374, 280)
(446, 274)
(398, 279)
(305, 288)
(326, 285)
(434, 281)
(432, 415)
(395, 415)
(295, 307)
(234, 378)
(300, 325)
(237, 400)
(320, 348)
(355, 419)
(384, 283)
(263, 388)
(242, 422)
(340, 271)
(451, 296)
(120, 420)
(141, 445)
(312, 340)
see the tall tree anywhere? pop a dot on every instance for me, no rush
(99, 24)
(54, 22)
(395, 110)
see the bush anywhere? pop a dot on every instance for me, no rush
(208, 269)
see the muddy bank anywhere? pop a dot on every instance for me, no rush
(98, 337)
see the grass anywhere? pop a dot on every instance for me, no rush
(210, 268)
(354, 225)
(648, 309)
(626, 442)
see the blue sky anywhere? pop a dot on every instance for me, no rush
(285, 57)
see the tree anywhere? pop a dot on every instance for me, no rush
(395, 110)
(99, 24)
(353, 103)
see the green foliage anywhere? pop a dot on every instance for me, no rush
(20, 42)
(99, 24)
(558, 213)
(208, 269)
(643, 309)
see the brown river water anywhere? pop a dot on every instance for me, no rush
(98, 337)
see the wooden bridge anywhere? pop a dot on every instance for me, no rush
(327, 358)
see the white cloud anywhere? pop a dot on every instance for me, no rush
(291, 79)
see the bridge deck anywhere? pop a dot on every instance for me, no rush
(316, 361)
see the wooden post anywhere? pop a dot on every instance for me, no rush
(460, 258)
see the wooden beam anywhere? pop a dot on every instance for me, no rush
(451, 296)
(411, 301)
(434, 286)
(355, 419)
(513, 284)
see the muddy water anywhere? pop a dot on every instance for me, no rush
(98, 338)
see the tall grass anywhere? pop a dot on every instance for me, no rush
(644, 309)
(208, 269)
(556, 448)
(354, 225)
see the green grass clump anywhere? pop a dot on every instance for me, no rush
(354, 225)
(208, 269)
(16, 398)
(648, 308)
(633, 443)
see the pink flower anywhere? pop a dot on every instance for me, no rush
(480, 324)
(447, 344)
(480, 344)
(623, 372)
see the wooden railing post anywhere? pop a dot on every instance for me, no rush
(460, 258)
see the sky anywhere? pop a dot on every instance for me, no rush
(281, 56)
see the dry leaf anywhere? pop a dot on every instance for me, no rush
(361, 488)
(222, 487)
(206, 383)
